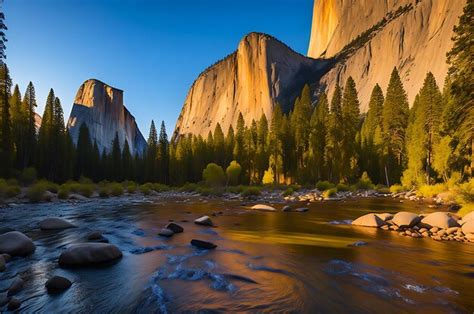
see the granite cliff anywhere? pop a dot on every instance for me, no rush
(101, 108)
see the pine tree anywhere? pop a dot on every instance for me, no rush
(45, 147)
(127, 162)
(229, 145)
(18, 120)
(301, 128)
(333, 154)
(83, 164)
(350, 128)
(163, 154)
(6, 144)
(275, 146)
(219, 146)
(262, 151)
(461, 76)
(395, 120)
(239, 140)
(29, 105)
(151, 154)
(59, 166)
(116, 159)
(317, 139)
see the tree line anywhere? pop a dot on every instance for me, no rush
(329, 140)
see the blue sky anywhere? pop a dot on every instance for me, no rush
(153, 50)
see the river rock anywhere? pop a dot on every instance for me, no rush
(6, 257)
(406, 219)
(452, 230)
(78, 197)
(174, 227)
(302, 209)
(96, 236)
(385, 216)
(89, 254)
(57, 284)
(14, 304)
(263, 207)
(16, 243)
(468, 217)
(468, 227)
(203, 244)
(286, 208)
(165, 232)
(204, 221)
(55, 224)
(2, 263)
(16, 286)
(440, 219)
(369, 220)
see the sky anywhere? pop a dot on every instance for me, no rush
(151, 49)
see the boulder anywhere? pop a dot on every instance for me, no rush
(16, 243)
(468, 227)
(203, 244)
(89, 254)
(57, 284)
(263, 207)
(369, 220)
(174, 227)
(165, 232)
(286, 208)
(16, 286)
(302, 209)
(204, 221)
(14, 304)
(55, 224)
(452, 230)
(468, 217)
(385, 216)
(78, 197)
(406, 219)
(439, 219)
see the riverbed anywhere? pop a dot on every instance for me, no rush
(311, 262)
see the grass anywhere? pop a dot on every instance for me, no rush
(396, 188)
(250, 191)
(324, 185)
(330, 193)
(63, 192)
(341, 187)
(9, 189)
(36, 192)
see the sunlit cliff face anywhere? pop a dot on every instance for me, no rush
(325, 20)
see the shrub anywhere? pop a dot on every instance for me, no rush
(189, 187)
(145, 189)
(9, 189)
(364, 183)
(396, 188)
(210, 191)
(63, 192)
(104, 191)
(341, 187)
(49, 186)
(268, 177)
(158, 187)
(466, 209)
(324, 185)
(235, 189)
(382, 189)
(28, 176)
(213, 175)
(250, 191)
(233, 172)
(132, 187)
(36, 192)
(330, 193)
(431, 190)
(86, 189)
(288, 192)
(116, 189)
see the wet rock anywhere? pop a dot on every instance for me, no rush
(174, 227)
(5, 230)
(16, 243)
(385, 227)
(441, 220)
(406, 219)
(454, 207)
(55, 224)
(452, 230)
(89, 254)
(385, 216)
(203, 244)
(96, 236)
(369, 220)
(78, 197)
(16, 286)
(14, 304)
(165, 232)
(434, 230)
(302, 209)
(4, 299)
(286, 208)
(2, 263)
(48, 196)
(204, 221)
(468, 217)
(57, 284)
(6, 257)
(441, 233)
(468, 227)
(358, 244)
(264, 207)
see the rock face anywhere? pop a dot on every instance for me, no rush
(414, 37)
(101, 108)
(252, 80)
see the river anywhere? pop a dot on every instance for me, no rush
(265, 261)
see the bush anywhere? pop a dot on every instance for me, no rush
(382, 189)
(210, 191)
(28, 176)
(104, 191)
(341, 187)
(189, 187)
(86, 189)
(431, 190)
(36, 192)
(268, 177)
(235, 189)
(324, 185)
(466, 209)
(364, 182)
(9, 189)
(466, 191)
(145, 188)
(213, 175)
(330, 193)
(288, 192)
(250, 191)
(131, 187)
(233, 172)
(63, 192)
(116, 189)
(158, 187)
(396, 188)
(49, 186)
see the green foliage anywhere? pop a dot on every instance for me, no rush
(397, 188)
(35, 193)
(288, 192)
(380, 188)
(213, 175)
(324, 185)
(466, 191)
(364, 183)
(8, 189)
(268, 177)
(145, 189)
(28, 176)
(341, 187)
(189, 187)
(116, 189)
(250, 191)
(64, 191)
(233, 172)
(330, 193)
(431, 190)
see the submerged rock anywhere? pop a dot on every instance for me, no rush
(302, 209)
(406, 219)
(203, 244)
(204, 221)
(165, 232)
(96, 236)
(358, 244)
(55, 224)
(16, 286)
(263, 207)
(439, 219)
(89, 254)
(16, 243)
(174, 227)
(286, 208)
(369, 220)
(57, 284)
(4, 299)
(14, 304)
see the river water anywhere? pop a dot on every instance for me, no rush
(265, 261)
